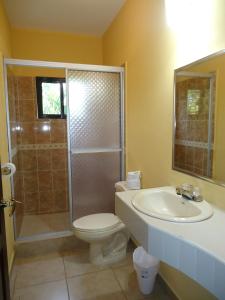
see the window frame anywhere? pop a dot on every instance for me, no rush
(39, 81)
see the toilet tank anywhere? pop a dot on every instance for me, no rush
(121, 186)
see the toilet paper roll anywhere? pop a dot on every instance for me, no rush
(8, 169)
(134, 180)
(134, 184)
(134, 175)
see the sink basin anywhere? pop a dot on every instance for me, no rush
(167, 205)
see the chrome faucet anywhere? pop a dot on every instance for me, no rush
(189, 192)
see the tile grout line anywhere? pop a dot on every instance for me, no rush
(91, 273)
(52, 178)
(38, 284)
(14, 285)
(123, 292)
(41, 283)
(36, 154)
(67, 286)
(88, 273)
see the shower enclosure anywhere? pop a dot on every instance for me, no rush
(67, 165)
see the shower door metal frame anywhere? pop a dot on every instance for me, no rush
(89, 68)
(66, 67)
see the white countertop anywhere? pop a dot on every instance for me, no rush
(206, 238)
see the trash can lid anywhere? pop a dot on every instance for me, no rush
(143, 259)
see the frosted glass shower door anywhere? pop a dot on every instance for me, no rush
(95, 140)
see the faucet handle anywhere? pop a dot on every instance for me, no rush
(197, 194)
(196, 190)
(187, 187)
(184, 187)
(179, 190)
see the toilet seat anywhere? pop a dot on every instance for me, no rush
(94, 223)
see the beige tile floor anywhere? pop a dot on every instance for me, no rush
(44, 223)
(69, 276)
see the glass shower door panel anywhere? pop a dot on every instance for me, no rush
(95, 140)
(94, 103)
(94, 176)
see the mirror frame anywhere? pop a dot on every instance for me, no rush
(183, 68)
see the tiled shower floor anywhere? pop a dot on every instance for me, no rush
(70, 276)
(44, 223)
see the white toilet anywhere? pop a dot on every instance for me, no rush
(106, 234)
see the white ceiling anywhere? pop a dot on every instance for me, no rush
(91, 17)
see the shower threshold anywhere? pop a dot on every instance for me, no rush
(44, 226)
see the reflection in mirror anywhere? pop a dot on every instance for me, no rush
(199, 141)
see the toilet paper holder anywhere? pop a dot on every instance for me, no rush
(8, 169)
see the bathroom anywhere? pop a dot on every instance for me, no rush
(149, 39)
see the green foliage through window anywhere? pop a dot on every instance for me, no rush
(193, 98)
(51, 97)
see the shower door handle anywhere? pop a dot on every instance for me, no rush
(13, 203)
(8, 169)
(3, 204)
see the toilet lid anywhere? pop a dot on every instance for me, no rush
(97, 222)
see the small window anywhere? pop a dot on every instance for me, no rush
(51, 97)
(193, 98)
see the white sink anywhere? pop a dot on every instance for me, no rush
(167, 205)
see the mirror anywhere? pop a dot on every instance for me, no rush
(199, 119)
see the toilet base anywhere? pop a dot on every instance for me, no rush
(110, 250)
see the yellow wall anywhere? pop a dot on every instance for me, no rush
(37, 71)
(141, 36)
(5, 39)
(219, 140)
(5, 49)
(55, 46)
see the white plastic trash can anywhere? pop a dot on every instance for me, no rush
(146, 267)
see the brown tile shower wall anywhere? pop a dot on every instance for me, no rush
(45, 180)
(42, 154)
(192, 127)
(192, 159)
